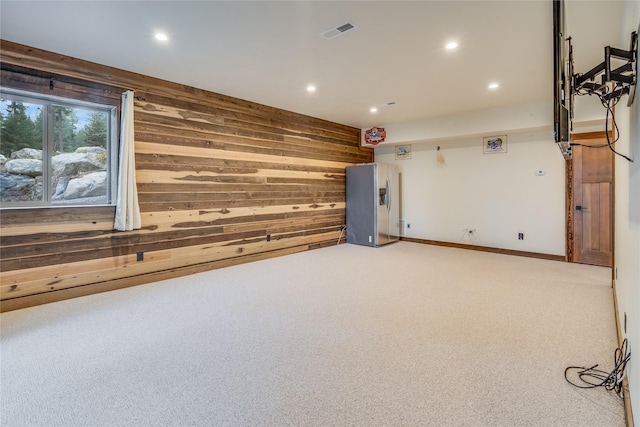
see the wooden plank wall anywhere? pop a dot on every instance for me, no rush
(216, 175)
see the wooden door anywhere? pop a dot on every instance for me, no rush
(592, 200)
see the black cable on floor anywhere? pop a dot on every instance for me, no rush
(592, 377)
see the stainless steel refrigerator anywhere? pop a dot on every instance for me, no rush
(373, 206)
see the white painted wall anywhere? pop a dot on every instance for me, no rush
(497, 195)
(627, 233)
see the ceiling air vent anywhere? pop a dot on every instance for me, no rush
(334, 32)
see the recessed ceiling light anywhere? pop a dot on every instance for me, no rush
(311, 88)
(494, 86)
(373, 109)
(451, 45)
(162, 37)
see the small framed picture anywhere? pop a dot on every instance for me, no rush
(403, 152)
(494, 144)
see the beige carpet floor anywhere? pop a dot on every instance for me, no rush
(403, 335)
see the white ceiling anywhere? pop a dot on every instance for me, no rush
(269, 51)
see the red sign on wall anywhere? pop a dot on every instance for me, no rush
(375, 135)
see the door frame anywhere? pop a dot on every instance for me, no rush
(569, 198)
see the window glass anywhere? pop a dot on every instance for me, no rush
(55, 151)
(21, 147)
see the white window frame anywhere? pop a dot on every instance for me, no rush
(48, 101)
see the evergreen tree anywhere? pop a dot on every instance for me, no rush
(17, 130)
(38, 122)
(65, 120)
(94, 133)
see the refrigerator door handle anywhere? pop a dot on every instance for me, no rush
(389, 197)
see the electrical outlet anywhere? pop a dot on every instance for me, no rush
(520, 236)
(139, 256)
(268, 237)
(408, 225)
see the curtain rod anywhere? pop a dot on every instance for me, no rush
(65, 79)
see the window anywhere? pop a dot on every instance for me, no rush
(56, 151)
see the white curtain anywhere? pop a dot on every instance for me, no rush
(127, 209)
